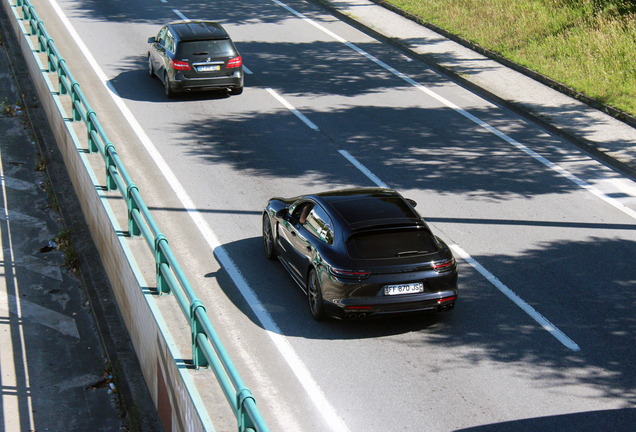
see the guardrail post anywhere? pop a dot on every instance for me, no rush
(111, 184)
(90, 126)
(244, 421)
(52, 66)
(133, 227)
(40, 33)
(74, 99)
(61, 73)
(198, 357)
(32, 29)
(163, 287)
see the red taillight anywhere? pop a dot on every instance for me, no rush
(349, 273)
(179, 65)
(235, 62)
(358, 307)
(445, 299)
(442, 265)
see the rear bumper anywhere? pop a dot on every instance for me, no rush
(180, 83)
(376, 307)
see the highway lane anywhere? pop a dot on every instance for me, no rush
(564, 251)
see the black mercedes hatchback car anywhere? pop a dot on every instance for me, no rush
(195, 55)
(360, 253)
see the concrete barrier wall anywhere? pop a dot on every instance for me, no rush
(174, 394)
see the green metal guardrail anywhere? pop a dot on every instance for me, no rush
(207, 349)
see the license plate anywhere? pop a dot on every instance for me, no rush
(404, 289)
(209, 68)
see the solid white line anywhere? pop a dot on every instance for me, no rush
(247, 71)
(15, 306)
(335, 422)
(292, 109)
(543, 322)
(581, 183)
(182, 16)
(364, 169)
(547, 325)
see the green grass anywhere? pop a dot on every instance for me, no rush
(588, 45)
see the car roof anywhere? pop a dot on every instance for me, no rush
(371, 207)
(198, 30)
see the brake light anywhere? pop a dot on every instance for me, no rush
(357, 307)
(179, 65)
(445, 299)
(235, 62)
(443, 265)
(349, 273)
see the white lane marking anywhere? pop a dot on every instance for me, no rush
(335, 422)
(182, 16)
(290, 107)
(247, 71)
(581, 183)
(11, 346)
(543, 322)
(362, 168)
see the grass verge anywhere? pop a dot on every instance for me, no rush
(588, 45)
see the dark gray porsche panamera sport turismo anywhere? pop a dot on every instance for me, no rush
(360, 253)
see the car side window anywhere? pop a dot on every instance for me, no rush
(301, 211)
(169, 41)
(319, 224)
(161, 37)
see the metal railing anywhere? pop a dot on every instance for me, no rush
(207, 349)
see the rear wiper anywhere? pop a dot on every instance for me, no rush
(415, 252)
(201, 53)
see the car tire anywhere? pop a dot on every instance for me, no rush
(268, 238)
(151, 70)
(235, 91)
(166, 82)
(314, 294)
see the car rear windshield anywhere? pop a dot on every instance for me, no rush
(391, 244)
(209, 48)
(372, 208)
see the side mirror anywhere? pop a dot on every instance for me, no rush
(282, 213)
(412, 202)
(152, 40)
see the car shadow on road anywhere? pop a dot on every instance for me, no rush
(592, 421)
(136, 84)
(486, 326)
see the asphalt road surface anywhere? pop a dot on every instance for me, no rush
(542, 336)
